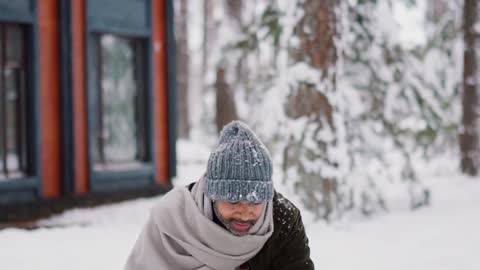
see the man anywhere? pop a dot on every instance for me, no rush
(230, 219)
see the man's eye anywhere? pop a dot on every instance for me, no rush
(233, 203)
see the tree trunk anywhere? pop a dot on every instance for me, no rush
(316, 31)
(208, 38)
(317, 48)
(234, 11)
(183, 123)
(226, 110)
(469, 133)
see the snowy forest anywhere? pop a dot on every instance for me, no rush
(370, 110)
(352, 98)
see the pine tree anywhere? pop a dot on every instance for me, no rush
(350, 107)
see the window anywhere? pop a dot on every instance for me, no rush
(120, 115)
(13, 102)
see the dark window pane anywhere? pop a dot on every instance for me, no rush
(1, 45)
(14, 35)
(13, 108)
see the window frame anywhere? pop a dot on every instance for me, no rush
(142, 176)
(26, 187)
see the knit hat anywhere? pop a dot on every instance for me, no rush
(240, 167)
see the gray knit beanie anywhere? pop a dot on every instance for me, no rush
(240, 167)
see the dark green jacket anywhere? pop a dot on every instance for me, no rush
(288, 247)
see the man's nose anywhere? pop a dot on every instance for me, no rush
(244, 208)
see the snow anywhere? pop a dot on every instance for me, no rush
(443, 236)
(440, 237)
(410, 19)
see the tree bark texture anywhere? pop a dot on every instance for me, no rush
(469, 132)
(226, 110)
(209, 34)
(182, 76)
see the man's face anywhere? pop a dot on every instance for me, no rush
(238, 217)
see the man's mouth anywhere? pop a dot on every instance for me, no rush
(241, 226)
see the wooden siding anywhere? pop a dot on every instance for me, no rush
(79, 97)
(49, 98)
(160, 92)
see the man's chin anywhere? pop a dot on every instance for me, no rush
(238, 233)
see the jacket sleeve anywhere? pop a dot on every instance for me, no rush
(293, 252)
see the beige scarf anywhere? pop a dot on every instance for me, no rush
(180, 234)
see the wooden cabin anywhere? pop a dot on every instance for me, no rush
(87, 103)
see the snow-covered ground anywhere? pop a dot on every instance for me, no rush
(443, 236)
